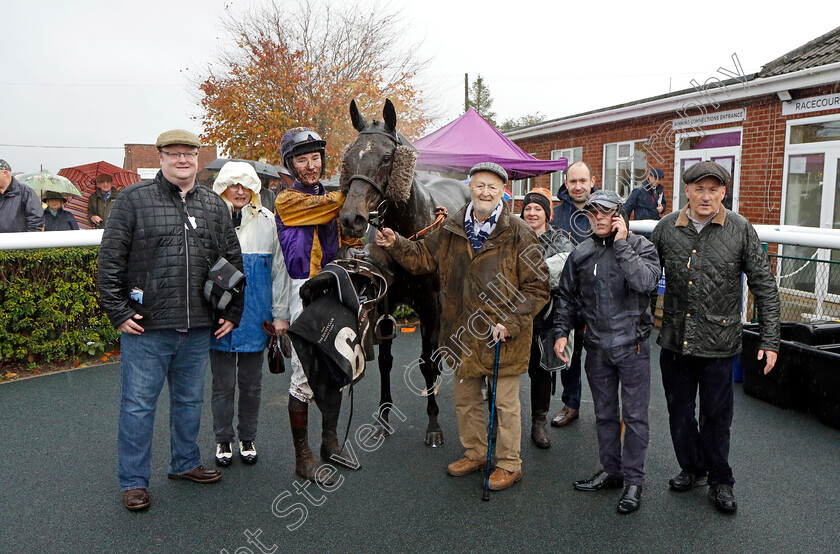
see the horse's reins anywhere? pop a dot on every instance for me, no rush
(441, 213)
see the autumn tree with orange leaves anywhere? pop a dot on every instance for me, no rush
(300, 65)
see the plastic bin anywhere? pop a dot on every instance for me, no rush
(824, 381)
(786, 386)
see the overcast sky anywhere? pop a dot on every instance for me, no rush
(101, 73)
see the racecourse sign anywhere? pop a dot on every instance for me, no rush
(812, 104)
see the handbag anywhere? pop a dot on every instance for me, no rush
(224, 280)
(278, 348)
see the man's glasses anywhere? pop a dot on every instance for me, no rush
(603, 210)
(177, 155)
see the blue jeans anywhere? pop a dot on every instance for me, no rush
(148, 360)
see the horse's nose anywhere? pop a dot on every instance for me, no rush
(353, 225)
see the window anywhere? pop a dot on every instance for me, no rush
(572, 155)
(625, 166)
(520, 187)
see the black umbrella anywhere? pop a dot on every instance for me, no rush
(261, 168)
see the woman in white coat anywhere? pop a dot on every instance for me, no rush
(237, 358)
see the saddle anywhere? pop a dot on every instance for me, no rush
(333, 335)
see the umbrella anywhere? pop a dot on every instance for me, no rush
(261, 168)
(83, 176)
(42, 182)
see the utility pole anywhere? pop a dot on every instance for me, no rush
(466, 92)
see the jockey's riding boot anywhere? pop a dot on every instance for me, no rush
(540, 401)
(305, 465)
(329, 402)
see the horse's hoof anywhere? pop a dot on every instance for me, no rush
(434, 439)
(381, 432)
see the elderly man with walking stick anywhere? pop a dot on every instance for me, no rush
(489, 292)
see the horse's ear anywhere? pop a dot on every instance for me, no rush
(390, 116)
(359, 122)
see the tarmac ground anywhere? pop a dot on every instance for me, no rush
(59, 490)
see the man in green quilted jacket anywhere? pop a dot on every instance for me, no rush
(704, 248)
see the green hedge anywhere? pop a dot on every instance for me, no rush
(49, 306)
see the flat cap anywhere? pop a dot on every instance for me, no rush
(702, 170)
(492, 168)
(177, 136)
(4, 166)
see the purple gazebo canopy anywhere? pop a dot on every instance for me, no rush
(471, 139)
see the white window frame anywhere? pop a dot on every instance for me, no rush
(632, 159)
(829, 148)
(520, 187)
(572, 155)
(736, 151)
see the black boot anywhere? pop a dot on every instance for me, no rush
(540, 401)
(305, 465)
(328, 399)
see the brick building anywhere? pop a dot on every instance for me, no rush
(144, 159)
(777, 131)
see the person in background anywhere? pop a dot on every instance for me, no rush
(536, 212)
(101, 201)
(648, 200)
(569, 216)
(20, 208)
(56, 218)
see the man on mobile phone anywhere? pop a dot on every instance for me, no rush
(610, 277)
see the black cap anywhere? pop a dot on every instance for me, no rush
(702, 170)
(4, 166)
(656, 173)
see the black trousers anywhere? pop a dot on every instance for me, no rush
(701, 449)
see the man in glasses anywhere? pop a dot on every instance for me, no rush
(489, 294)
(307, 227)
(151, 280)
(610, 277)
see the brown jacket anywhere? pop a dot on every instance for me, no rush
(497, 284)
(98, 206)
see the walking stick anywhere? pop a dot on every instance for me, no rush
(486, 495)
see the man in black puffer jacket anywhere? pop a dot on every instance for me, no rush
(609, 278)
(151, 278)
(704, 248)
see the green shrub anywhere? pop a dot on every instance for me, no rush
(49, 306)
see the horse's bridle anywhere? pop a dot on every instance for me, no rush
(378, 187)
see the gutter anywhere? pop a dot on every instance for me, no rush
(737, 89)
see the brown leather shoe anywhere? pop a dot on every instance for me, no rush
(502, 479)
(465, 466)
(565, 417)
(137, 499)
(199, 475)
